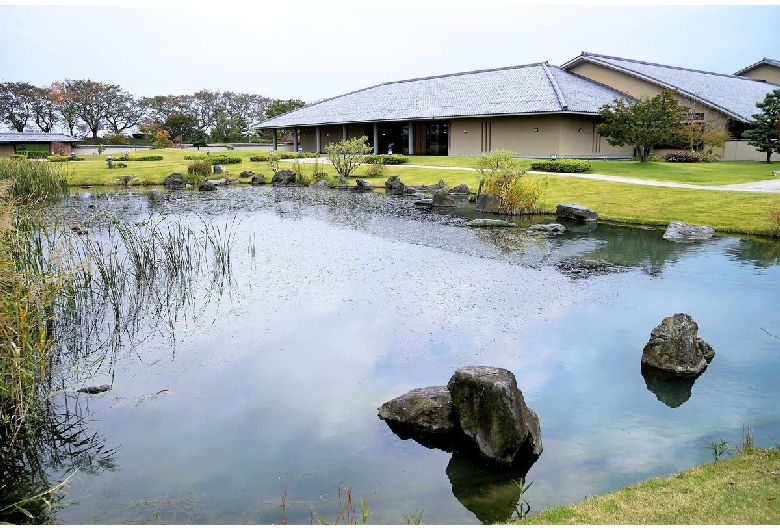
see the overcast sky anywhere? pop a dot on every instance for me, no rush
(315, 52)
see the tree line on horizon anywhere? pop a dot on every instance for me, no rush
(83, 107)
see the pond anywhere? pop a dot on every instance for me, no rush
(337, 301)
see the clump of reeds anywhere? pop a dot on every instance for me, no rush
(32, 180)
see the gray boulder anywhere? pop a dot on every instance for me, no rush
(322, 183)
(257, 180)
(438, 186)
(576, 212)
(489, 203)
(363, 185)
(175, 181)
(680, 230)
(443, 198)
(460, 189)
(246, 174)
(549, 228)
(675, 347)
(491, 411)
(155, 196)
(218, 182)
(394, 186)
(218, 169)
(426, 409)
(285, 177)
(490, 223)
(207, 186)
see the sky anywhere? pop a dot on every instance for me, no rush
(310, 52)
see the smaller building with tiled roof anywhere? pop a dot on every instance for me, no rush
(764, 70)
(52, 143)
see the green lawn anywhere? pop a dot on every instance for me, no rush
(725, 211)
(740, 490)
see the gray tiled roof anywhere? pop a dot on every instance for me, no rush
(528, 89)
(734, 96)
(765, 60)
(17, 137)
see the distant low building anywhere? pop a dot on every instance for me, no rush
(16, 142)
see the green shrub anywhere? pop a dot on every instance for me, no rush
(145, 158)
(225, 159)
(195, 157)
(257, 158)
(287, 155)
(34, 155)
(199, 168)
(388, 160)
(687, 156)
(18, 157)
(63, 158)
(563, 165)
(229, 147)
(375, 170)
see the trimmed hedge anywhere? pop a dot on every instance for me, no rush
(563, 165)
(195, 157)
(224, 159)
(387, 160)
(258, 158)
(687, 156)
(145, 158)
(64, 158)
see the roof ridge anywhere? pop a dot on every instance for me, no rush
(556, 88)
(669, 66)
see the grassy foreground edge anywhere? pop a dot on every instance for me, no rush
(744, 489)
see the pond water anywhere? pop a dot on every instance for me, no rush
(339, 301)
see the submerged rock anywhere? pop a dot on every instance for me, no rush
(257, 180)
(549, 228)
(94, 389)
(207, 186)
(460, 189)
(285, 177)
(583, 267)
(576, 212)
(675, 347)
(491, 411)
(155, 196)
(680, 230)
(490, 223)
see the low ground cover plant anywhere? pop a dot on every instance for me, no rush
(687, 156)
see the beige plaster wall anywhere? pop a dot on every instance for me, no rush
(740, 150)
(765, 72)
(563, 135)
(6, 149)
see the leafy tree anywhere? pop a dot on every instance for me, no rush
(347, 155)
(91, 101)
(44, 108)
(16, 102)
(179, 124)
(123, 110)
(643, 123)
(65, 105)
(159, 108)
(199, 138)
(162, 139)
(282, 106)
(765, 131)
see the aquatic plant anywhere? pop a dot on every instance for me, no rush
(347, 509)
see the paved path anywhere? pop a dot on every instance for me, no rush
(761, 186)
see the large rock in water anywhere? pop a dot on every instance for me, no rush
(675, 347)
(680, 230)
(572, 210)
(489, 203)
(443, 198)
(285, 177)
(492, 412)
(363, 185)
(175, 181)
(394, 186)
(426, 409)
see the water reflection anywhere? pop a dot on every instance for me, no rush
(672, 391)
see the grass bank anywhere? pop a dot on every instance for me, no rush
(732, 212)
(744, 489)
